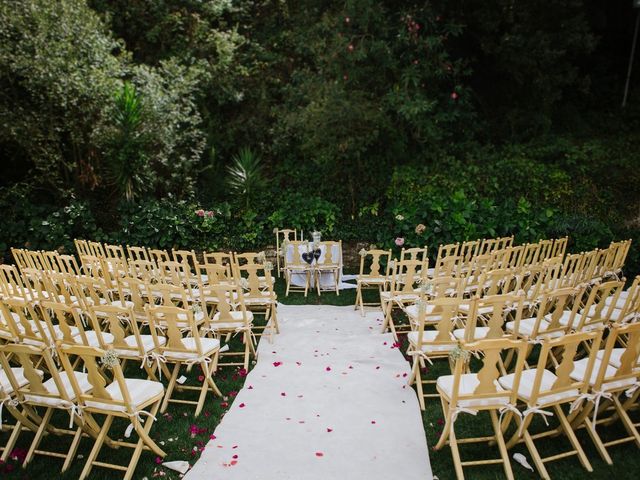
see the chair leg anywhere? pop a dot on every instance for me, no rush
(626, 421)
(501, 445)
(535, 455)
(170, 387)
(72, 450)
(417, 376)
(568, 431)
(96, 447)
(38, 437)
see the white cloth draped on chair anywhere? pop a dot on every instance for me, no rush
(326, 278)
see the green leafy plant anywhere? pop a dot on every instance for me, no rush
(245, 176)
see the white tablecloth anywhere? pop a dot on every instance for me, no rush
(326, 278)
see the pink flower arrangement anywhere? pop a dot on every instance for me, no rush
(399, 241)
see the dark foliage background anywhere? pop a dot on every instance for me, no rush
(120, 119)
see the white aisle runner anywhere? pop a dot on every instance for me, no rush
(327, 400)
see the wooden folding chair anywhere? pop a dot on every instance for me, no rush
(615, 377)
(128, 342)
(540, 388)
(377, 276)
(443, 260)
(403, 291)
(329, 262)
(192, 349)
(115, 252)
(82, 247)
(129, 398)
(138, 253)
(559, 247)
(158, 256)
(232, 318)
(259, 296)
(474, 392)
(282, 237)
(294, 264)
(428, 345)
(53, 394)
(67, 326)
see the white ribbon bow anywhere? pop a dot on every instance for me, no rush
(597, 396)
(138, 415)
(156, 357)
(532, 411)
(458, 410)
(12, 402)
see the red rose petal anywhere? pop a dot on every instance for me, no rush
(328, 369)
(235, 456)
(242, 405)
(233, 462)
(277, 364)
(283, 394)
(329, 430)
(319, 454)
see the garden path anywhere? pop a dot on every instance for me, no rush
(328, 399)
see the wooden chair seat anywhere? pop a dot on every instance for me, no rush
(469, 382)
(141, 392)
(50, 386)
(526, 387)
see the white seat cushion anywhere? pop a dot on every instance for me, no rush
(525, 387)
(478, 334)
(430, 336)
(146, 343)
(18, 373)
(464, 307)
(92, 338)
(526, 328)
(236, 316)
(140, 391)
(50, 386)
(209, 345)
(468, 383)
(580, 367)
(614, 359)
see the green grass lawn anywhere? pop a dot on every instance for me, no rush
(184, 436)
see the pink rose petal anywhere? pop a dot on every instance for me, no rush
(319, 454)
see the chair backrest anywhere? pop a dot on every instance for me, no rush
(468, 250)
(35, 391)
(621, 255)
(97, 249)
(626, 334)
(500, 281)
(69, 264)
(68, 320)
(96, 361)
(405, 278)
(90, 291)
(145, 270)
(441, 286)
(379, 262)
(283, 236)
(19, 313)
(451, 249)
(559, 247)
(174, 321)
(117, 321)
(545, 250)
(114, 251)
(187, 257)
(443, 313)
(494, 312)
(20, 257)
(171, 295)
(11, 285)
(138, 253)
(530, 254)
(571, 274)
(293, 253)
(82, 247)
(597, 310)
(504, 242)
(630, 305)
(331, 252)
(216, 273)
(513, 256)
(231, 299)
(552, 305)
(569, 345)
(487, 394)
(136, 291)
